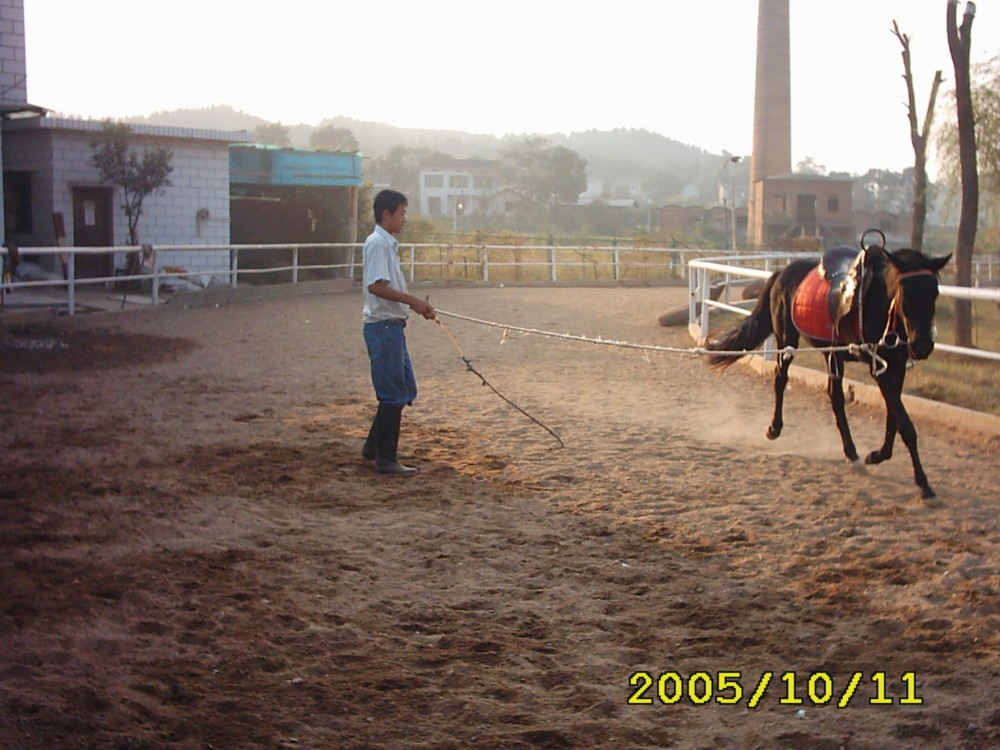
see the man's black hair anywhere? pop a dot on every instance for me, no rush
(388, 200)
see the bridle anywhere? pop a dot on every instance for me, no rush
(894, 306)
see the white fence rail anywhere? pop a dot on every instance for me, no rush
(707, 293)
(453, 262)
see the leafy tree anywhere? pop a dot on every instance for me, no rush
(567, 174)
(332, 138)
(884, 190)
(400, 168)
(273, 134)
(810, 166)
(547, 174)
(662, 186)
(138, 175)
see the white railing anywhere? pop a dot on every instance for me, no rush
(701, 302)
(462, 262)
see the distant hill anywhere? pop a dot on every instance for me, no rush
(220, 117)
(612, 155)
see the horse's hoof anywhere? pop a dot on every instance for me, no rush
(926, 493)
(859, 466)
(773, 434)
(874, 458)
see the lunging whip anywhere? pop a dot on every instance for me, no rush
(488, 384)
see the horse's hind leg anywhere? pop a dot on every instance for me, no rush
(835, 389)
(780, 382)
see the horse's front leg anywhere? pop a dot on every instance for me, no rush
(835, 390)
(890, 384)
(891, 425)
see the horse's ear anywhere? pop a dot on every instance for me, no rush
(936, 264)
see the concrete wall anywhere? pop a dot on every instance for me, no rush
(13, 70)
(13, 63)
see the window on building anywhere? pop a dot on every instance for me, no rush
(779, 204)
(832, 204)
(434, 180)
(17, 202)
(434, 206)
(482, 182)
(458, 181)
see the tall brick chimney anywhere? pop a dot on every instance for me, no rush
(772, 115)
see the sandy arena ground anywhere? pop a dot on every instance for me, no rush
(195, 556)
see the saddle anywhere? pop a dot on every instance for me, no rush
(825, 305)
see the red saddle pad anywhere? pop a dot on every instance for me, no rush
(811, 311)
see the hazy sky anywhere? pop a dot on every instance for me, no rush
(682, 68)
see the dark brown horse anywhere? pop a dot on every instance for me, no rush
(893, 323)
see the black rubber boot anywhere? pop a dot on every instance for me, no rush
(388, 421)
(368, 451)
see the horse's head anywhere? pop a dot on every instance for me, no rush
(912, 284)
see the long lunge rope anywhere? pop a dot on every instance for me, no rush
(788, 351)
(488, 384)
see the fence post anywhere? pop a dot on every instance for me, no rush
(71, 282)
(692, 300)
(616, 256)
(295, 264)
(413, 261)
(156, 278)
(706, 295)
(552, 263)
(486, 263)
(234, 267)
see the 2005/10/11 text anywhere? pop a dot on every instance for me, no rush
(727, 688)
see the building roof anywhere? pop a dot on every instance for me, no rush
(438, 164)
(257, 164)
(807, 177)
(11, 111)
(159, 131)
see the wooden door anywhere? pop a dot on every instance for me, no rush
(805, 209)
(93, 227)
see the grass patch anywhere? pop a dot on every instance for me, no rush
(514, 264)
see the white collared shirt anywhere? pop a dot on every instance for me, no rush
(381, 263)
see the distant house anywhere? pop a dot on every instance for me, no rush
(458, 187)
(509, 202)
(54, 195)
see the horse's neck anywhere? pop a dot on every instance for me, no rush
(876, 309)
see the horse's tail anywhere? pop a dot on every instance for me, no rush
(750, 335)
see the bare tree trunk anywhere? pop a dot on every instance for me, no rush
(919, 138)
(959, 43)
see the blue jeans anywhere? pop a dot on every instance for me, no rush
(392, 372)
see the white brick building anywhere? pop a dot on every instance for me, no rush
(458, 186)
(54, 194)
